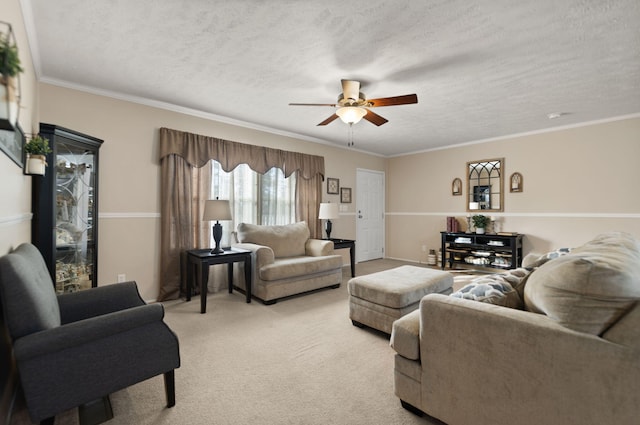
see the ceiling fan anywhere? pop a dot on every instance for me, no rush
(352, 105)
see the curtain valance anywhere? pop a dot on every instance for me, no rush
(197, 150)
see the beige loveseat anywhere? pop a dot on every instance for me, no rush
(570, 355)
(286, 261)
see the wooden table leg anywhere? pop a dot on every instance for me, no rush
(204, 281)
(352, 255)
(247, 277)
(230, 277)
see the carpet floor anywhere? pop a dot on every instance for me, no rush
(299, 361)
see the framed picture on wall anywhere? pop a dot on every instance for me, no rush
(332, 186)
(345, 195)
(456, 187)
(12, 144)
(516, 182)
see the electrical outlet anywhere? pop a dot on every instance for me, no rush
(424, 248)
(122, 278)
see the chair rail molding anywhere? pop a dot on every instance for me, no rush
(531, 214)
(15, 219)
(111, 215)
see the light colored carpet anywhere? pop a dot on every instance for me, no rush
(300, 361)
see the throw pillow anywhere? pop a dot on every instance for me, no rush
(537, 262)
(499, 289)
(592, 287)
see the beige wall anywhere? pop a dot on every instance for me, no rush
(129, 173)
(577, 182)
(15, 187)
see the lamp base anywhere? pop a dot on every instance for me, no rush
(327, 228)
(217, 236)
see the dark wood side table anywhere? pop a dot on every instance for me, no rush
(346, 243)
(199, 260)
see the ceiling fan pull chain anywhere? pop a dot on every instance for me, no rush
(350, 143)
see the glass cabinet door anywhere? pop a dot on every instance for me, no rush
(74, 217)
(64, 202)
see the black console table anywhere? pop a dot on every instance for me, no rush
(346, 243)
(482, 250)
(199, 260)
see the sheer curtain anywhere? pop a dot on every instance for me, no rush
(255, 198)
(186, 182)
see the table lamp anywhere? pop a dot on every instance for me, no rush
(216, 209)
(327, 212)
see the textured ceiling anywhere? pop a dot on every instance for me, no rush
(481, 69)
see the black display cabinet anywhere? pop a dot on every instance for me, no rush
(65, 209)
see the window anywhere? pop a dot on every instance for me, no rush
(266, 199)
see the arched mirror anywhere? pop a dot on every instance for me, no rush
(485, 185)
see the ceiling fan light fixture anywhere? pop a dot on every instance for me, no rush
(351, 114)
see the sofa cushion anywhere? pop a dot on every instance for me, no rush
(500, 288)
(286, 240)
(290, 267)
(589, 289)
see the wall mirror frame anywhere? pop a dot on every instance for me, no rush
(485, 185)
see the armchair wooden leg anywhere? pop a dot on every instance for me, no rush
(170, 387)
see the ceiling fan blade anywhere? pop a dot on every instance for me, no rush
(312, 104)
(374, 118)
(329, 120)
(351, 89)
(395, 100)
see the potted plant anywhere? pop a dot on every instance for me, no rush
(480, 222)
(37, 148)
(9, 69)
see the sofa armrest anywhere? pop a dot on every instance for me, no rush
(86, 332)
(82, 305)
(405, 336)
(318, 248)
(261, 255)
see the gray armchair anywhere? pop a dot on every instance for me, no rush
(75, 348)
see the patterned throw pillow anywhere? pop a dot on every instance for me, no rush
(500, 288)
(548, 256)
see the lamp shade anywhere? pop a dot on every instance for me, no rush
(216, 209)
(351, 114)
(328, 211)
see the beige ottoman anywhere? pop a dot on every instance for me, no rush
(378, 299)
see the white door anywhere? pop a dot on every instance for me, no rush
(369, 215)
